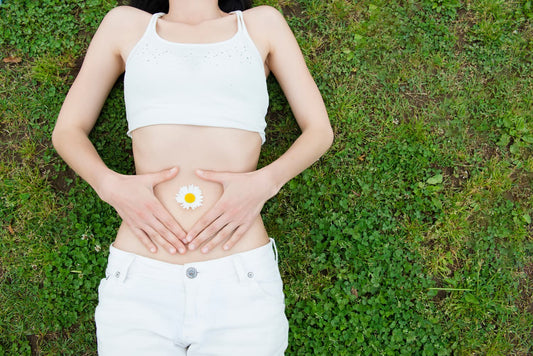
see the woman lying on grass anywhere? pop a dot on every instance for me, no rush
(192, 269)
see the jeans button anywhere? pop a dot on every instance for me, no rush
(191, 272)
(117, 274)
(250, 275)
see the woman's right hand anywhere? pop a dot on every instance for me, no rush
(133, 198)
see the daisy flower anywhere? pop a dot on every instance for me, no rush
(190, 197)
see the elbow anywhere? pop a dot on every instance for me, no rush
(322, 138)
(328, 137)
(59, 135)
(56, 138)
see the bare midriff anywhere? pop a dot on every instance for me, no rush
(189, 147)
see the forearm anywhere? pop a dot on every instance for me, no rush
(306, 150)
(78, 152)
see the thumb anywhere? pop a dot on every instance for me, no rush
(213, 176)
(162, 176)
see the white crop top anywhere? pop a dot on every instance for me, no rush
(220, 84)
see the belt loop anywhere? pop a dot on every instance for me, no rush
(238, 268)
(120, 270)
(275, 249)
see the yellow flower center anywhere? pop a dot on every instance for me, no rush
(190, 198)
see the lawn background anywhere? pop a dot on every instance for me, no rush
(412, 235)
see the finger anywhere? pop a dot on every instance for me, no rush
(212, 176)
(150, 225)
(167, 239)
(160, 177)
(173, 241)
(221, 236)
(236, 236)
(206, 220)
(156, 237)
(170, 224)
(145, 240)
(208, 233)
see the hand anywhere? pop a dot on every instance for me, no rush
(233, 214)
(134, 200)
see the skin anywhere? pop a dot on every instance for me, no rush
(223, 162)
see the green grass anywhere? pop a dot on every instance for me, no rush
(412, 235)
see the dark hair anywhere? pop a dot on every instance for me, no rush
(153, 6)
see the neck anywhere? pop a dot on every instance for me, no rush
(193, 11)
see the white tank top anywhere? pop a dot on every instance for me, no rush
(220, 84)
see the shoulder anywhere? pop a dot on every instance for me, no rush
(121, 28)
(267, 26)
(126, 13)
(125, 18)
(264, 16)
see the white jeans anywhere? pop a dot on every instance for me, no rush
(228, 306)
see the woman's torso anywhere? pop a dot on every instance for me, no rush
(190, 147)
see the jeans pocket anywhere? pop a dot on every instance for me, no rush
(269, 287)
(102, 285)
(101, 289)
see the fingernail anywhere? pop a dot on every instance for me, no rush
(173, 170)
(226, 247)
(172, 250)
(182, 251)
(192, 247)
(205, 250)
(188, 238)
(152, 249)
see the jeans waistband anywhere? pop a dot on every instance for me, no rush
(122, 263)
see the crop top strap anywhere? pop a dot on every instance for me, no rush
(240, 21)
(153, 23)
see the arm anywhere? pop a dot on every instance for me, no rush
(131, 196)
(245, 193)
(287, 63)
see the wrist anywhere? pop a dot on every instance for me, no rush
(270, 181)
(105, 183)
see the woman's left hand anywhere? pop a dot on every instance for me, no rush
(233, 214)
